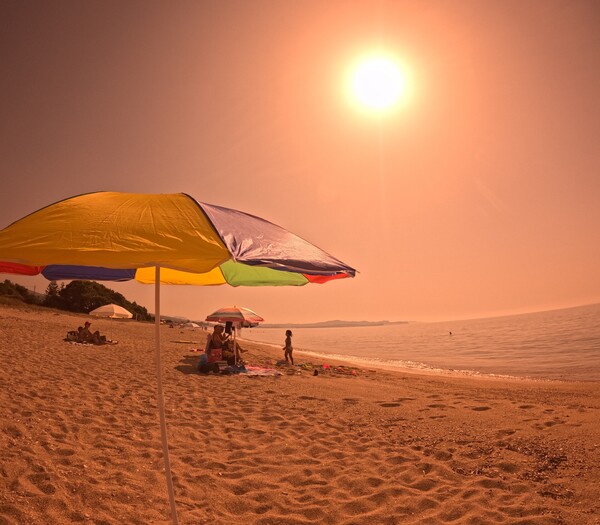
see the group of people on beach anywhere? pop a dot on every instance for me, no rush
(222, 347)
(83, 334)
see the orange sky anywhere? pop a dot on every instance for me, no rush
(479, 196)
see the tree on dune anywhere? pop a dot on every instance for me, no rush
(85, 296)
(18, 292)
(77, 296)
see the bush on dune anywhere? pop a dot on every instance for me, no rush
(77, 296)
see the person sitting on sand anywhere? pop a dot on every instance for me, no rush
(232, 352)
(214, 351)
(221, 342)
(217, 339)
(86, 336)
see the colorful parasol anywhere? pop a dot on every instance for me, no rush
(234, 314)
(122, 236)
(167, 238)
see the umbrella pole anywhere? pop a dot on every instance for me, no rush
(234, 345)
(161, 399)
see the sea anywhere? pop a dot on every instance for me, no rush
(553, 345)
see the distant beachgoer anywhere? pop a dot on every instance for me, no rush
(288, 349)
(86, 335)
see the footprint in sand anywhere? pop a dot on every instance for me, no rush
(64, 451)
(505, 433)
(395, 402)
(13, 431)
(41, 482)
(548, 424)
(442, 455)
(509, 467)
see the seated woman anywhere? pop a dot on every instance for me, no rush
(232, 352)
(230, 347)
(215, 344)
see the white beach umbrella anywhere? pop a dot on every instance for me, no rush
(112, 310)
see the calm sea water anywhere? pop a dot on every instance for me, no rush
(560, 344)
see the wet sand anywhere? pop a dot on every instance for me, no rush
(80, 438)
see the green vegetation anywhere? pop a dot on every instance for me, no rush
(13, 291)
(77, 296)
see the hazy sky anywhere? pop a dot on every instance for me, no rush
(479, 195)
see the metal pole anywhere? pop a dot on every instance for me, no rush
(161, 399)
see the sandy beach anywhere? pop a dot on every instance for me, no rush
(80, 438)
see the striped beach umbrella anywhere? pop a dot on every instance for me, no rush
(234, 314)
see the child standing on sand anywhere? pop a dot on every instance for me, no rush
(287, 349)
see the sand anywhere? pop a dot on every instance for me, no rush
(80, 438)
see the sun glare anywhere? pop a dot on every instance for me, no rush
(377, 83)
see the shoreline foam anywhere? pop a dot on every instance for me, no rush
(408, 367)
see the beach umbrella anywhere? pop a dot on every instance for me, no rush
(190, 325)
(112, 310)
(234, 314)
(165, 238)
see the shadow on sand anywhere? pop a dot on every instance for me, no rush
(189, 364)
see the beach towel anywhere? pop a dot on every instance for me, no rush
(107, 342)
(261, 371)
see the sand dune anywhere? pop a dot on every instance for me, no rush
(81, 441)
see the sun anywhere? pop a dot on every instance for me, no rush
(377, 83)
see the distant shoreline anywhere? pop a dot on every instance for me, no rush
(331, 324)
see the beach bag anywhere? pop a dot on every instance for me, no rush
(72, 336)
(216, 354)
